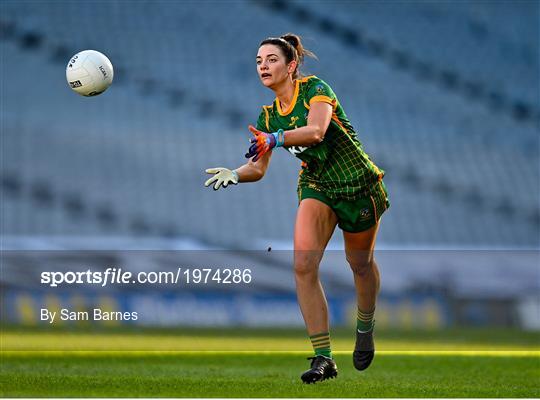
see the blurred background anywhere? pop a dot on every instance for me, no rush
(444, 96)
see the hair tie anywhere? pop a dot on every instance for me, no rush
(282, 39)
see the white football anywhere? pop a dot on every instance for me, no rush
(89, 73)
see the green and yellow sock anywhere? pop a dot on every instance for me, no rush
(364, 321)
(321, 344)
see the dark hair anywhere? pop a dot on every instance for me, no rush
(291, 46)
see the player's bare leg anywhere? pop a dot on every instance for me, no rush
(359, 249)
(315, 223)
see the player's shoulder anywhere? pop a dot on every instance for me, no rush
(312, 84)
(308, 81)
(267, 112)
(311, 80)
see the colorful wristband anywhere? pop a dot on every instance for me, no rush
(280, 137)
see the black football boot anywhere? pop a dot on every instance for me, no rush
(321, 368)
(364, 350)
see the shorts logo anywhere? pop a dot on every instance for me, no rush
(365, 213)
(319, 89)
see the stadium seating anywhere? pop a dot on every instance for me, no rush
(131, 162)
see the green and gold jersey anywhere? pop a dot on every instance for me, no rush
(337, 166)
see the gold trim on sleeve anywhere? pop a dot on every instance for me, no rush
(324, 99)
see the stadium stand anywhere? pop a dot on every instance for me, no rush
(460, 170)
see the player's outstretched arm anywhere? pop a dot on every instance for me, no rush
(249, 172)
(318, 120)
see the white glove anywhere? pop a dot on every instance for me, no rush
(223, 176)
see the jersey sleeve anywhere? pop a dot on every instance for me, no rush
(319, 90)
(263, 122)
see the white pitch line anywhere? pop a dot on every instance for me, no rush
(131, 353)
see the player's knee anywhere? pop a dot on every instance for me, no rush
(306, 266)
(361, 266)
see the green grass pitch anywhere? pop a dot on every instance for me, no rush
(262, 363)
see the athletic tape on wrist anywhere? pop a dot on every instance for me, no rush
(235, 175)
(280, 137)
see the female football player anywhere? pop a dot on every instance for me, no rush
(338, 185)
